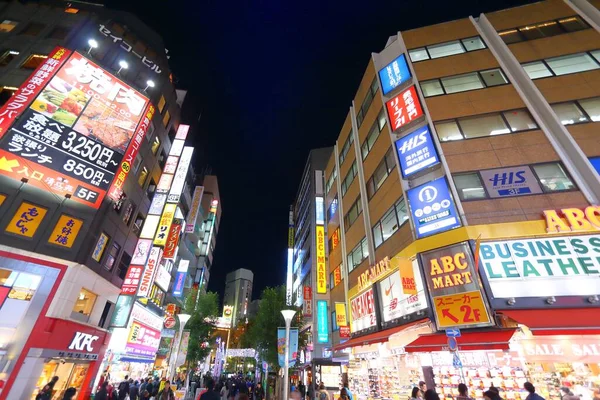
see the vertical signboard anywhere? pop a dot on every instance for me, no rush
(394, 74)
(454, 287)
(416, 152)
(321, 265)
(362, 311)
(292, 350)
(173, 239)
(341, 317)
(322, 322)
(404, 108)
(180, 278)
(179, 178)
(147, 277)
(194, 209)
(290, 259)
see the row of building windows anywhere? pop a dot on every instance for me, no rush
(446, 49)
(331, 180)
(391, 221)
(563, 65)
(31, 62)
(353, 213)
(373, 134)
(543, 29)
(358, 254)
(34, 29)
(519, 120)
(349, 178)
(346, 147)
(360, 115)
(463, 82)
(551, 177)
(383, 170)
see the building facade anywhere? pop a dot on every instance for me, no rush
(238, 295)
(462, 199)
(89, 114)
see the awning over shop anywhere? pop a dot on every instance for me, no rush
(372, 338)
(564, 321)
(496, 339)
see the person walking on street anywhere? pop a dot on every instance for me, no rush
(210, 393)
(166, 393)
(463, 392)
(567, 394)
(134, 391)
(423, 388)
(492, 395)
(348, 392)
(123, 388)
(311, 391)
(532, 394)
(323, 394)
(102, 394)
(69, 393)
(259, 392)
(416, 394)
(430, 394)
(302, 390)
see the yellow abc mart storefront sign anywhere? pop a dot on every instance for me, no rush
(542, 267)
(321, 265)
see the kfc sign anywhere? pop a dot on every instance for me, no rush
(404, 108)
(83, 342)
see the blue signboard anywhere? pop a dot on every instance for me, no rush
(596, 163)
(416, 151)
(432, 208)
(178, 284)
(394, 74)
(510, 181)
(292, 351)
(322, 327)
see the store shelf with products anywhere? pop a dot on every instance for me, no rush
(583, 379)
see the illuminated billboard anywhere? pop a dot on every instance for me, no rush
(75, 133)
(394, 74)
(404, 108)
(321, 266)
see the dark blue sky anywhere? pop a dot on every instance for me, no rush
(273, 79)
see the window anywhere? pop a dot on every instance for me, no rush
(128, 213)
(569, 113)
(553, 177)
(162, 159)
(109, 261)
(485, 125)
(373, 134)
(71, 10)
(59, 33)
(33, 29)
(6, 92)
(353, 213)
(23, 286)
(124, 265)
(391, 221)
(383, 170)
(161, 104)
(150, 131)
(358, 254)
(360, 116)
(346, 147)
(7, 57)
(137, 225)
(84, 305)
(33, 61)
(166, 119)
(543, 29)
(446, 49)
(334, 325)
(331, 180)
(136, 164)
(349, 178)
(155, 145)
(537, 69)
(142, 177)
(572, 63)
(7, 25)
(464, 82)
(151, 189)
(591, 107)
(469, 186)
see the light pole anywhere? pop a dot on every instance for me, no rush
(287, 315)
(183, 319)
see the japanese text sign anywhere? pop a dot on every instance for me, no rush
(416, 151)
(307, 293)
(165, 224)
(341, 317)
(142, 341)
(321, 264)
(337, 276)
(394, 74)
(65, 231)
(173, 239)
(322, 322)
(194, 209)
(26, 220)
(362, 311)
(513, 181)
(178, 284)
(461, 309)
(404, 108)
(100, 246)
(163, 278)
(132, 279)
(307, 309)
(432, 208)
(180, 174)
(147, 278)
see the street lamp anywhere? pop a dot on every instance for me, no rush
(93, 44)
(122, 65)
(183, 319)
(287, 315)
(149, 83)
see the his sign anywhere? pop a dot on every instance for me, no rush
(416, 151)
(513, 181)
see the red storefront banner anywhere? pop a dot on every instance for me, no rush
(344, 332)
(132, 279)
(31, 88)
(404, 108)
(307, 293)
(173, 239)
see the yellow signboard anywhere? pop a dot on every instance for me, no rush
(341, 318)
(26, 220)
(165, 224)
(65, 231)
(460, 309)
(2, 198)
(321, 266)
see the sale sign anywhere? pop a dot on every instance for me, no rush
(142, 341)
(404, 108)
(362, 311)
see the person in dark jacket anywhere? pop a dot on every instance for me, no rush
(134, 391)
(532, 394)
(69, 393)
(102, 394)
(167, 393)
(123, 388)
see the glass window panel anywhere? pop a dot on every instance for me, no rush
(596, 54)
(27, 281)
(493, 77)
(553, 177)
(591, 107)
(365, 249)
(389, 224)
(377, 235)
(85, 302)
(448, 131)
(486, 125)
(568, 113)
(7, 25)
(419, 54)
(462, 83)
(572, 63)
(390, 161)
(541, 30)
(572, 24)
(432, 88)
(401, 212)
(381, 120)
(379, 175)
(474, 43)
(445, 49)
(519, 120)
(536, 70)
(511, 36)
(469, 186)
(5, 279)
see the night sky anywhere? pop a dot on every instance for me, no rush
(272, 80)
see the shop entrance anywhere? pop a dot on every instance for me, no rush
(71, 373)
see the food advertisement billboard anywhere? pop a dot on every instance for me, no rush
(73, 136)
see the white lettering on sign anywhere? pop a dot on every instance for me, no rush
(129, 48)
(83, 341)
(362, 309)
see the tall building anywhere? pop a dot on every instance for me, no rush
(238, 293)
(307, 269)
(89, 119)
(462, 200)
